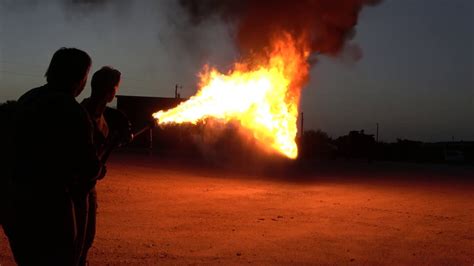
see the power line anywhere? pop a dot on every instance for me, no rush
(36, 67)
(17, 64)
(19, 74)
(42, 74)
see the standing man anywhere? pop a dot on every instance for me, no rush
(54, 155)
(104, 85)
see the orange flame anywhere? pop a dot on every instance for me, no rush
(262, 95)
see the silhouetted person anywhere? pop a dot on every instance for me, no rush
(54, 158)
(104, 85)
(7, 118)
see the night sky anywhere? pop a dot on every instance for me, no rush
(415, 78)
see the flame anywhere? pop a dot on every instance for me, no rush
(261, 94)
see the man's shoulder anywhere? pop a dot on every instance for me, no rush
(50, 100)
(32, 94)
(47, 94)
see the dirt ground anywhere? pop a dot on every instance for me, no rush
(153, 211)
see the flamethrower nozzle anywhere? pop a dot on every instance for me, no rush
(150, 125)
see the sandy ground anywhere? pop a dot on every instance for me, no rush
(153, 211)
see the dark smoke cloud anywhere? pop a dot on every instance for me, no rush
(329, 24)
(88, 3)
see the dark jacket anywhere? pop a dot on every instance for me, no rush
(54, 146)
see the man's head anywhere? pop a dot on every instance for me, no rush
(68, 70)
(105, 83)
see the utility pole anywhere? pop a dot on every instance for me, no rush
(377, 135)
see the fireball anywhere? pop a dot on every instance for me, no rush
(261, 94)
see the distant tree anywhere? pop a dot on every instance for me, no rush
(408, 150)
(316, 144)
(356, 144)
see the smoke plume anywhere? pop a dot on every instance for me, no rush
(327, 24)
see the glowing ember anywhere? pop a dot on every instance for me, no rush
(262, 95)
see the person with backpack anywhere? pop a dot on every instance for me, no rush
(54, 160)
(7, 118)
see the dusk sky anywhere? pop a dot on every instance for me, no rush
(415, 78)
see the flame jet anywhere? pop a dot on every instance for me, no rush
(262, 95)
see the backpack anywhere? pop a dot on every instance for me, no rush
(8, 115)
